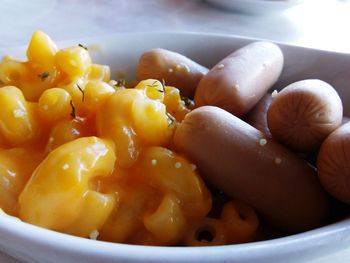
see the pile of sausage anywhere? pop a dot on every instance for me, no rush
(247, 141)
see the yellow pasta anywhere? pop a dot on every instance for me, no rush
(177, 107)
(41, 50)
(171, 173)
(36, 81)
(54, 199)
(73, 61)
(18, 123)
(135, 199)
(119, 129)
(17, 164)
(167, 223)
(54, 104)
(100, 72)
(207, 232)
(150, 121)
(155, 196)
(95, 94)
(89, 156)
(152, 88)
(94, 212)
(67, 130)
(12, 71)
(75, 87)
(240, 222)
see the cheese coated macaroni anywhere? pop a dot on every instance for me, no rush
(84, 155)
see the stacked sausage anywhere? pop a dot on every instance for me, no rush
(247, 142)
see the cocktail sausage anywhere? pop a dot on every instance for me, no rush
(238, 159)
(240, 80)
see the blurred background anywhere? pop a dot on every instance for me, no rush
(319, 24)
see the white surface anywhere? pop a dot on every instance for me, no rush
(36, 245)
(316, 23)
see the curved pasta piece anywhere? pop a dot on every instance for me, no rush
(240, 222)
(208, 232)
(55, 193)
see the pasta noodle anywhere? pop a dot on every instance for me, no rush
(84, 155)
(237, 224)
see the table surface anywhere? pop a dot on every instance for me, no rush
(321, 24)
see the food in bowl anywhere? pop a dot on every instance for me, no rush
(120, 174)
(98, 155)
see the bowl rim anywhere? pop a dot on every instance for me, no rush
(324, 238)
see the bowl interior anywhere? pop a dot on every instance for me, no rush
(121, 52)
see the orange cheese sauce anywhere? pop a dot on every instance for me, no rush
(85, 157)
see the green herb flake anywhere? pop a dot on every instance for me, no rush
(153, 85)
(163, 86)
(72, 114)
(82, 46)
(120, 83)
(82, 92)
(43, 76)
(188, 102)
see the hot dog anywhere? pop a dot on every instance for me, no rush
(240, 80)
(176, 70)
(238, 159)
(304, 113)
(333, 163)
(257, 116)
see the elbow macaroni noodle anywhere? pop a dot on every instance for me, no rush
(84, 155)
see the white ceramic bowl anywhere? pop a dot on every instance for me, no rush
(329, 243)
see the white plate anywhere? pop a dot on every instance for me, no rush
(255, 6)
(36, 245)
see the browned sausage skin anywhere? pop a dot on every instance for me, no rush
(238, 159)
(240, 80)
(333, 163)
(304, 113)
(176, 70)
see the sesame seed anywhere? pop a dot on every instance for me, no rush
(65, 166)
(170, 70)
(51, 139)
(278, 160)
(19, 113)
(220, 66)
(94, 234)
(262, 142)
(193, 166)
(186, 67)
(45, 107)
(274, 93)
(177, 165)
(154, 161)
